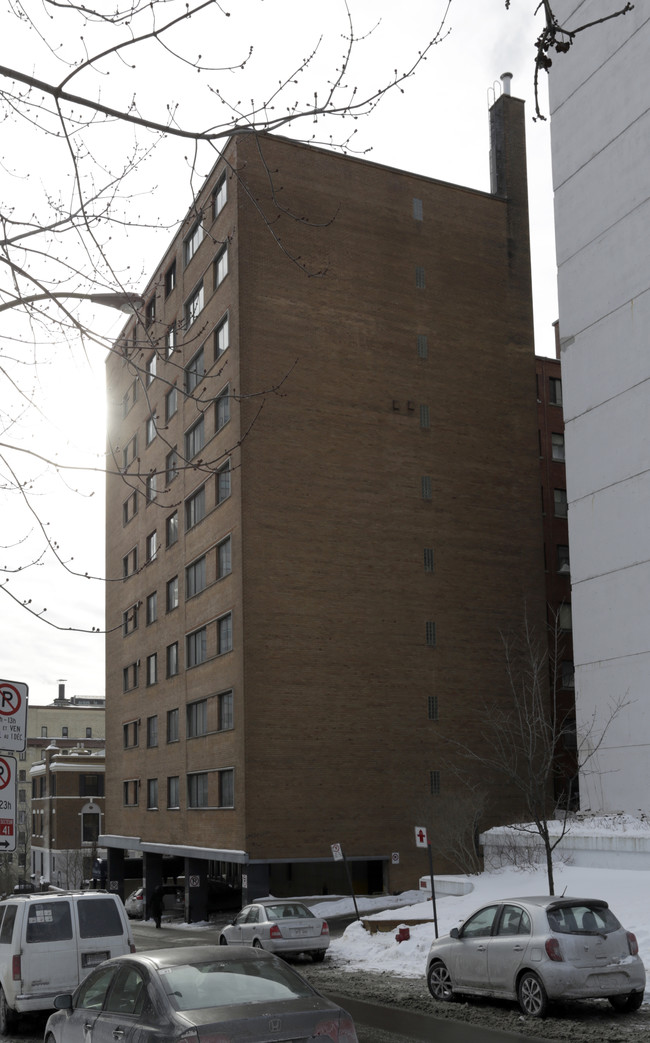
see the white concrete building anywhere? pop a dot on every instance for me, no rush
(600, 127)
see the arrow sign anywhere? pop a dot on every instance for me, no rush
(13, 715)
(420, 836)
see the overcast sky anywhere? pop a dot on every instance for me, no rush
(437, 126)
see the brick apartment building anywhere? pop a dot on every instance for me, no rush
(550, 420)
(324, 506)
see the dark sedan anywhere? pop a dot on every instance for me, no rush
(194, 994)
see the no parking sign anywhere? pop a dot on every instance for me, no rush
(13, 715)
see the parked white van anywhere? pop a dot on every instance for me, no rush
(50, 941)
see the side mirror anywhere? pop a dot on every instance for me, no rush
(453, 933)
(63, 1002)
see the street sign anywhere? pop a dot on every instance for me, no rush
(337, 852)
(420, 836)
(394, 858)
(7, 804)
(13, 715)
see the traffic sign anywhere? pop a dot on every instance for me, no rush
(13, 715)
(420, 836)
(337, 852)
(7, 804)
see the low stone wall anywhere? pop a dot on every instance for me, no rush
(621, 850)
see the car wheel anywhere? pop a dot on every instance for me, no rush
(439, 982)
(223, 940)
(257, 944)
(318, 956)
(6, 1015)
(626, 1004)
(532, 995)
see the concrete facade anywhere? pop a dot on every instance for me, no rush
(282, 673)
(600, 125)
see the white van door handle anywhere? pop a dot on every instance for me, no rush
(118, 1033)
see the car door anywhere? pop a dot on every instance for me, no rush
(234, 931)
(50, 954)
(87, 1005)
(507, 947)
(126, 1009)
(250, 929)
(470, 968)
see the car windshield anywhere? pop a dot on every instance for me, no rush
(582, 918)
(283, 911)
(221, 983)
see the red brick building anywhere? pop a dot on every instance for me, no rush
(324, 506)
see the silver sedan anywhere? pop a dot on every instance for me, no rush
(284, 927)
(536, 950)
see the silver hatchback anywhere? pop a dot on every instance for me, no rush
(536, 950)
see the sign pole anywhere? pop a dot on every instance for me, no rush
(433, 891)
(338, 856)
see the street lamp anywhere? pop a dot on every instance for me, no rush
(130, 303)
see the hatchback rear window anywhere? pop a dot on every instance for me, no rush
(582, 918)
(48, 922)
(99, 918)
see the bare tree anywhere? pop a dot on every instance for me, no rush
(524, 735)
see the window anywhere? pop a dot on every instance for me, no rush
(152, 669)
(130, 620)
(173, 792)
(221, 337)
(419, 277)
(152, 607)
(91, 785)
(195, 371)
(172, 725)
(43, 731)
(224, 634)
(430, 633)
(170, 278)
(219, 196)
(225, 711)
(563, 564)
(172, 594)
(197, 647)
(130, 793)
(172, 659)
(194, 306)
(151, 428)
(197, 790)
(152, 546)
(433, 707)
(418, 210)
(567, 674)
(223, 408)
(171, 403)
(557, 446)
(89, 827)
(428, 559)
(221, 266)
(170, 340)
(130, 563)
(227, 788)
(171, 529)
(152, 794)
(130, 677)
(195, 439)
(223, 482)
(195, 577)
(195, 508)
(129, 398)
(150, 370)
(152, 731)
(171, 466)
(197, 719)
(425, 421)
(131, 734)
(434, 783)
(423, 346)
(151, 487)
(426, 487)
(193, 241)
(129, 508)
(89, 733)
(559, 497)
(130, 451)
(564, 617)
(224, 563)
(150, 311)
(555, 391)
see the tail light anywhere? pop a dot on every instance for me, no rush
(344, 1032)
(16, 970)
(347, 1033)
(324, 929)
(553, 950)
(275, 931)
(131, 947)
(632, 944)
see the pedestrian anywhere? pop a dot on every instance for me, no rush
(156, 905)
